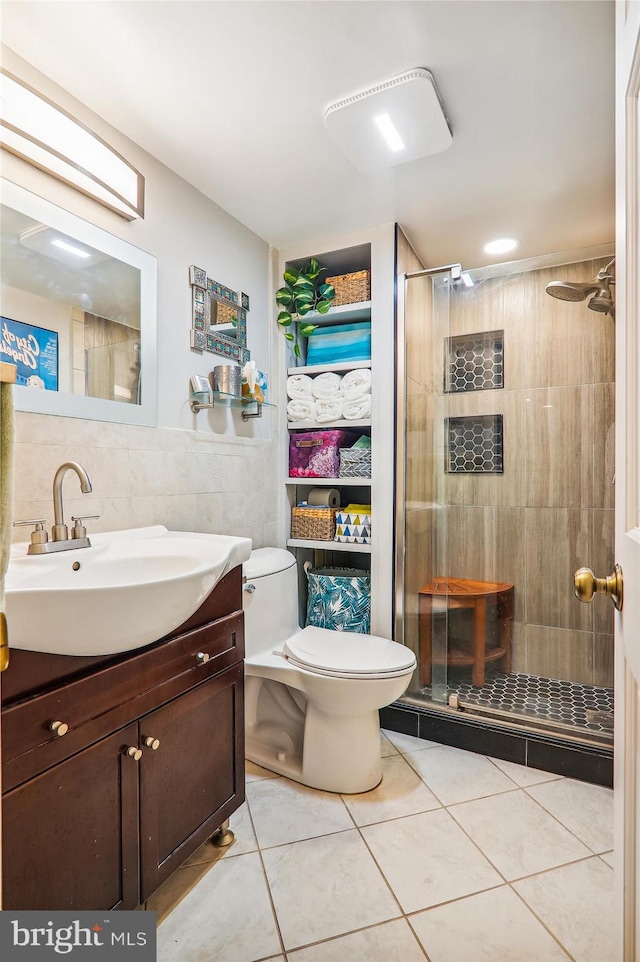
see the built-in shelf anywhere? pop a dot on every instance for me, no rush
(329, 545)
(332, 482)
(341, 315)
(300, 425)
(200, 400)
(337, 368)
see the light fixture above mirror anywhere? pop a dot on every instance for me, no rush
(38, 131)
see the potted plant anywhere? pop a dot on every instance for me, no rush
(303, 292)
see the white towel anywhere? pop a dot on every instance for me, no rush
(358, 409)
(328, 409)
(300, 386)
(327, 385)
(356, 384)
(301, 409)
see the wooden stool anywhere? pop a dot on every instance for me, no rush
(463, 593)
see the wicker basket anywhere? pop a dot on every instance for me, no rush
(355, 462)
(315, 524)
(351, 288)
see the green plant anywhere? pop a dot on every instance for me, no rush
(303, 292)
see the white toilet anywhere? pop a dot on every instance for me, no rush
(312, 695)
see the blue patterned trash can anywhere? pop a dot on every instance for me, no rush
(339, 598)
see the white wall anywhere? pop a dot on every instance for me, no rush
(234, 487)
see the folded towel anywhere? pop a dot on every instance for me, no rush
(355, 384)
(300, 386)
(327, 385)
(328, 409)
(301, 409)
(358, 409)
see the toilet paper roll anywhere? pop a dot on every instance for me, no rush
(327, 496)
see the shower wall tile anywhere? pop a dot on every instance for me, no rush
(518, 647)
(603, 660)
(558, 447)
(420, 324)
(560, 653)
(556, 540)
(604, 397)
(601, 561)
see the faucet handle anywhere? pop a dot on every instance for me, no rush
(38, 535)
(79, 530)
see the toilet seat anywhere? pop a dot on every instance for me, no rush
(347, 655)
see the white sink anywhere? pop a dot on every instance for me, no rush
(130, 589)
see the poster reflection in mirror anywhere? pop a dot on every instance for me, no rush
(219, 317)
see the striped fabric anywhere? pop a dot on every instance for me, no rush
(344, 342)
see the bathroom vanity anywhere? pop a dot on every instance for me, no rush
(116, 769)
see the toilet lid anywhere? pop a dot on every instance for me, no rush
(347, 654)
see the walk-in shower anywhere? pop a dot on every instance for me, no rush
(505, 411)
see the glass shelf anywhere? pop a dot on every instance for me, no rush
(200, 400)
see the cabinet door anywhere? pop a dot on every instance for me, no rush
(70, 835)
(195, 778)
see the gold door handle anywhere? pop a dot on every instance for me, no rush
(586, 585)
(59, 728)
(135, 753)
(151, 742)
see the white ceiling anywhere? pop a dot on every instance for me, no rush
(231, 96)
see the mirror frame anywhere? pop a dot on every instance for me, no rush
(204, 290)
(79, 405)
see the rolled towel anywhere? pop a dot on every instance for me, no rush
(300, 386)
(358, 409)
(328, 409)
(355, 384)
(327, 385)
(301, 409)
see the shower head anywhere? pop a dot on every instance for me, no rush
(602, 299)
(570, 291)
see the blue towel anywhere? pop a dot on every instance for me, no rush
(344, 342)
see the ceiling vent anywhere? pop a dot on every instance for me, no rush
(392, 123)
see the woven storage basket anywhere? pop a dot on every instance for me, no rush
(351, 288)
(355, 462)
(316, 524)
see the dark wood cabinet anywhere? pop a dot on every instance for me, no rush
(151, 765)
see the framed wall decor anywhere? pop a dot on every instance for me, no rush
(219, 317)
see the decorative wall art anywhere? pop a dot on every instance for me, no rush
(219, 318)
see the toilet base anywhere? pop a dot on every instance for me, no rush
(340, 753)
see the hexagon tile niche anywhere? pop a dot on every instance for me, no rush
(474, 445)
(474, 362)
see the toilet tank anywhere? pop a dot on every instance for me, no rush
(271, 610)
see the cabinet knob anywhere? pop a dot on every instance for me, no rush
(135, 753)
(151, 742)
(202, 657)
(59, 728)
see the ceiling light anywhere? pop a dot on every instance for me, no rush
(36, 130)
(71, 248)
(389, 132)
(418, 128)
(501, 246)
(467, 279)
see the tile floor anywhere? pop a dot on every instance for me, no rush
(455, 857)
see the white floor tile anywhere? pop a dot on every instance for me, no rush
(325, 887)
(517, 835)
(240, 824)
(285, 811)
(608, 858)
(386, 747)
(522, 775)
(390, 942)
(586, 810)
(576, 903)
(407, 743)
(226, 916)
(454, 775)
(493, 926)
(401, 792)
(253, 772)
(427, 859)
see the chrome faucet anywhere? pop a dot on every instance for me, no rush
(60, 532)
(60, 540)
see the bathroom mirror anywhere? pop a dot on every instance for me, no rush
(78, 312)
(219, 317)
